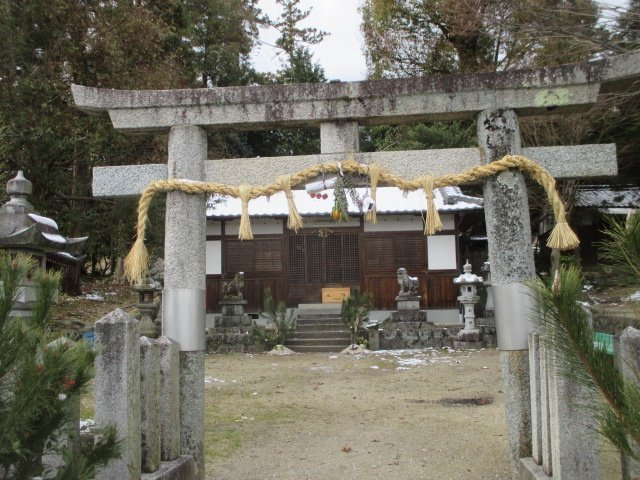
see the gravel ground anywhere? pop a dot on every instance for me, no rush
(412, 414)
(394, 414)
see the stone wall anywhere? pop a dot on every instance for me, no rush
(230, 339)
(402, 335)
(614, 321)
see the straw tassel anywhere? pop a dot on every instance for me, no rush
(562, 236)
(432, 223)
(374, 176)
(245, 223)
(136, 262)
(295, 220)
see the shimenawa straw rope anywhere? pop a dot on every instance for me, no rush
(561, 238)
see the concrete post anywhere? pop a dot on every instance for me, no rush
(150, 404)
(184, 283)
(117, 390)
(511, 256)
(169, 398)
(626, 348)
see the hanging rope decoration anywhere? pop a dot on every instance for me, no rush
(433, 223)
(561, 238)
(374, 178)
(295, 220)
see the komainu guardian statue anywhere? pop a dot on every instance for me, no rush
(233, 289)
(408, 285)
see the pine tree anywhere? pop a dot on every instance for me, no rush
(39, 379)
(566, 331)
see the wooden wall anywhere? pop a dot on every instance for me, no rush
(265, 261)
(262, 261)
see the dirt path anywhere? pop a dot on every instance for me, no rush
(386, 415)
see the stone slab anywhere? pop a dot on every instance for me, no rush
(130, 180)
(530, 470)
(182, 468)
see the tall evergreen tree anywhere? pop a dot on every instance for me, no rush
(118, 44)
(298, 67)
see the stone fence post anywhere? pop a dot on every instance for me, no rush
(169, 398)
(626, 349)
(117, 391)
(564, 425)
(150, 404)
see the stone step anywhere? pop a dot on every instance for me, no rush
(318, 348)
(322, 333)
(317, 316)
(319, 308)
(292, 342)
(319, 321)
(321, 327)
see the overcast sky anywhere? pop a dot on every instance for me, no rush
(340, 53)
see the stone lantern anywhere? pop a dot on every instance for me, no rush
(469, 283)
(23, 230)
(488, 308)
(148, 309)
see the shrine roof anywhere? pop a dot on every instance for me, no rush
(390, 200)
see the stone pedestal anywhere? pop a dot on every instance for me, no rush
(469, 335)
(233, 314)
(408, 309)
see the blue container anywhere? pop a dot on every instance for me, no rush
(603, 341)
(89, 337)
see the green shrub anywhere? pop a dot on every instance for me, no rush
(355, 310)
(281, 323)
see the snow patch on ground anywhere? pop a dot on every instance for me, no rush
(210, 379)
(634, 297)
(86, 425)
(412, 358)
(94, 296)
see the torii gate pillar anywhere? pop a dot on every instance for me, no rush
(184, 282)
(509, 237)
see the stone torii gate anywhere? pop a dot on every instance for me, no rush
(495, 100)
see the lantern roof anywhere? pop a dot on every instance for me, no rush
(21, 227)
(467, 277)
